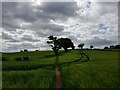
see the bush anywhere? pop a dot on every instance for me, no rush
(106, 47)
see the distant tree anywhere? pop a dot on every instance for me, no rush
(91, 46)
(59, 43)
(117, 47)
(81, 46)
(112, 47)
(106, 47)
(25, 50)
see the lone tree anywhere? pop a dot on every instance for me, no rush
(25, 50)
(91, 46)
(81, 45)
(59, 43)
(106, 47)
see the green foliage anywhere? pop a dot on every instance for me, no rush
(59, 43)
(91, 46)
(80, 45)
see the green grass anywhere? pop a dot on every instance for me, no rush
(32, 55)
(70, 56)
(28, 79)
(37, 60)
(100, 72)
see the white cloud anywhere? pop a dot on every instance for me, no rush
(27, 25)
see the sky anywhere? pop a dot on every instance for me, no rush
(26, 25)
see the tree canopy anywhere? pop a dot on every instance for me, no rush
(91, 46)
(81, 45)
(58, 43)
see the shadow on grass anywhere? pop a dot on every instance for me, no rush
(83, 55)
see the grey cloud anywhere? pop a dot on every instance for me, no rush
(64, 8)
(107, 7)
(18, 47)
(47, 33)
(9, 38)
(29, 38)
(98, 11)
(0, 14)
(97, 41)
(46, 26)
(46, 29)
(28, 45)
(39, 17)
(53, 27)
(6, 36)
(26, 12)
(22, 10)
(119, 23)
(9, 22)
(16, 13)
(73, 38)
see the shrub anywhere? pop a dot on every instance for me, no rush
(106, 47)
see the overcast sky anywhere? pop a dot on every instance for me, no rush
(26, 25)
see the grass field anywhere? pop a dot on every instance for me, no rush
(28, 79)
(101, 71)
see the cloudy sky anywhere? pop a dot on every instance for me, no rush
(26, 25)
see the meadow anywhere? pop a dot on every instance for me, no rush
(101, 71)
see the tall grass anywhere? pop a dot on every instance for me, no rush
(27, 65)
(37, 60)
(28, 79)
(100, 72)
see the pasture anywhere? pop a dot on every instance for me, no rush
(101, 71)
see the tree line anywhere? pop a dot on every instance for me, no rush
(65, 43)
(112, 47)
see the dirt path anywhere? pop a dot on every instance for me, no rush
(58, 84)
